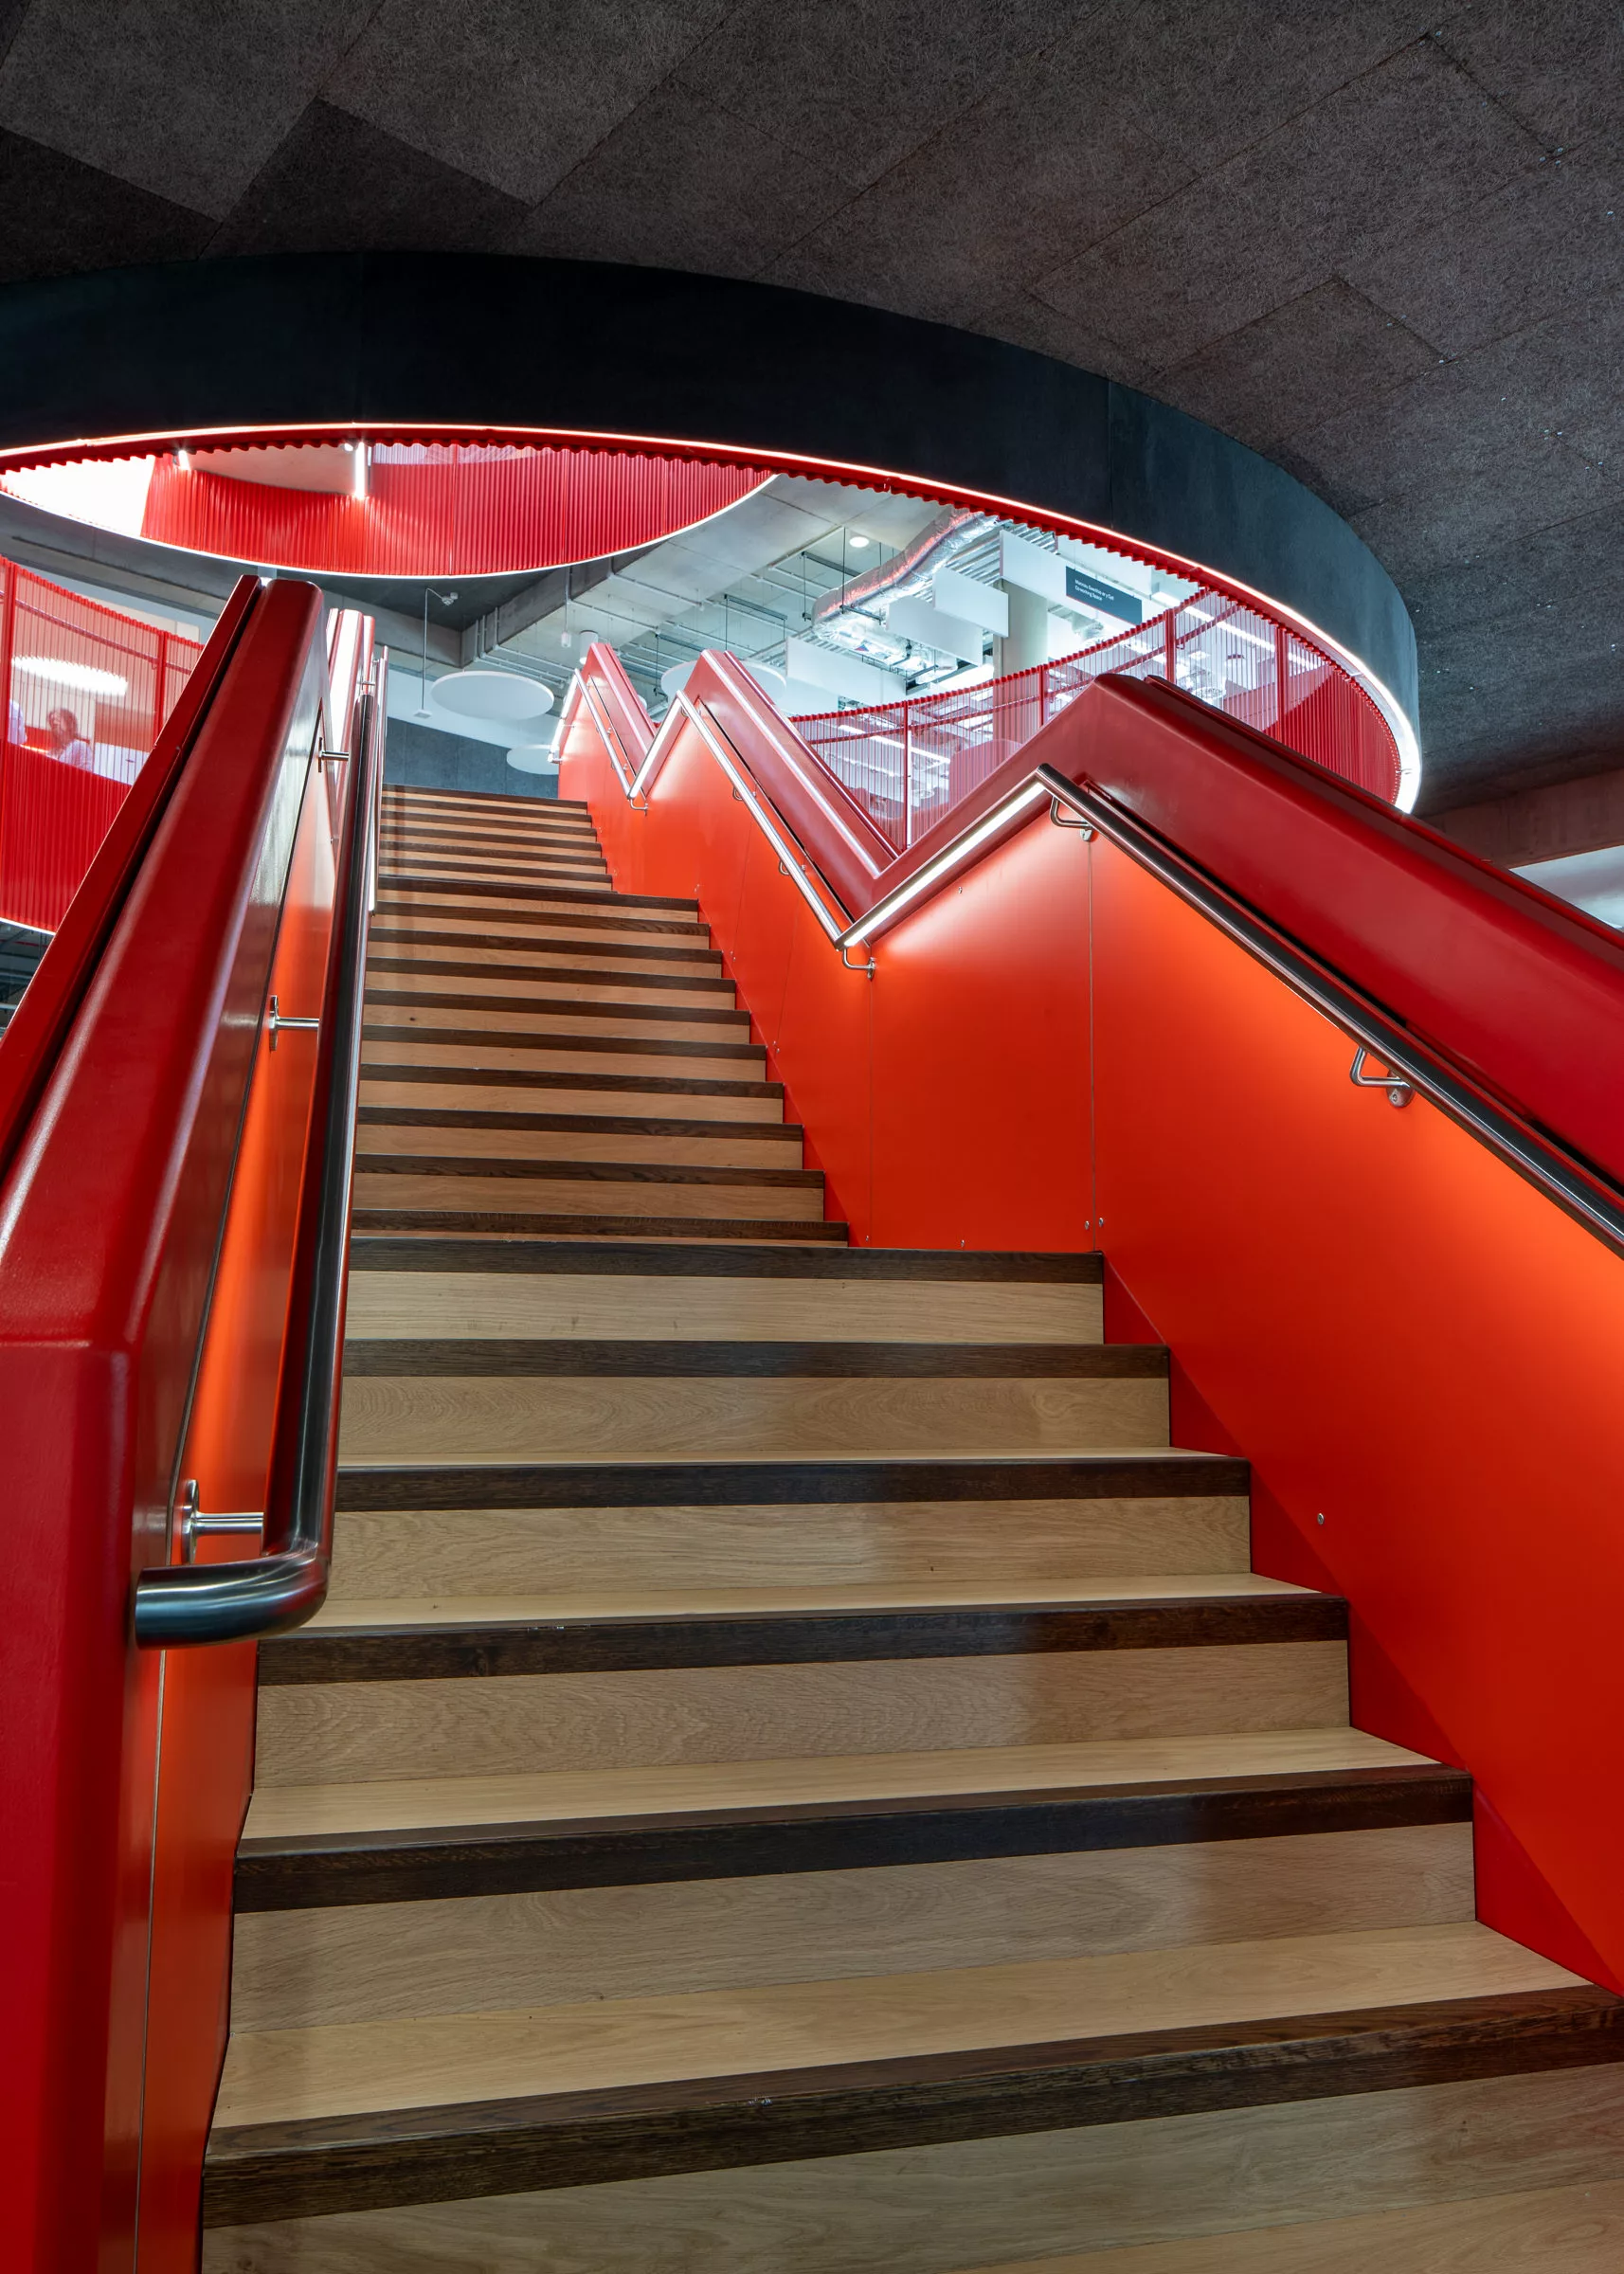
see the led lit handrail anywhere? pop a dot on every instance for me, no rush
(189, 1602)
(1338, 894)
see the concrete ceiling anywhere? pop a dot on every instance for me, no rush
(1383, 244)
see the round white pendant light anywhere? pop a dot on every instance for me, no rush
(492, 695)
(533, 758)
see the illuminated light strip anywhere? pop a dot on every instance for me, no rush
(942, 864)
(744, 789)
(771, 727)
(611, 740)
(1109, 540)
(659, 750)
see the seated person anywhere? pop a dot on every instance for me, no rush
(65, 741)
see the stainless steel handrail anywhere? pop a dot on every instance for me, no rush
(1583, 1192)
(227, 1602)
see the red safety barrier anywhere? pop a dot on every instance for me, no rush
(909, 763)
(154, 1172)
(1415, 1343)
(87, 691)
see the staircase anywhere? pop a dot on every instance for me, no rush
(795, 1774)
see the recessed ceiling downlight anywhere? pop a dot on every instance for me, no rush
(492, 695)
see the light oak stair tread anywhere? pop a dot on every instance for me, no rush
(935, 1267)
(1577, 2229)
(384, 1611)
(845, 1457)
(634, 1306)
(406, 1804)
(279, 2075)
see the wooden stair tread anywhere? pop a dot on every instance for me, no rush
(812, 1780)
(1577, 2229)
(449, 1639)
(945, 1266)
(723, 1601)
(482, 1168)
(277, 2076)
(824, 1360)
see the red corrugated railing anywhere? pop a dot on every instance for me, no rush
(87, 692)
(908, 763)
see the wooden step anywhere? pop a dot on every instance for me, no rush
(479, 951)
(1557, 2231)
(405, 1840)
(390, 1042)
(400, 1183)
(357, 2115)
(472, 893)
(427, 975)
(400, 858)
(518, 1402)
(1128, 1521)
(499, 802)
(358, 1732)
(455, 1016)
(407, 914)
(384, 1084)
(442, 1641)
(401, 1129)
(533, 1294)
(475, 835)
(1159, 2195)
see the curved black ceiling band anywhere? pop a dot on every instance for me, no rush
(442, 338)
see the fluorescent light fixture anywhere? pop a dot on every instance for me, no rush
(85, 676)
(360, 483)
(182, 459)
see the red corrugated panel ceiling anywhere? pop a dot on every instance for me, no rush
(446, 508)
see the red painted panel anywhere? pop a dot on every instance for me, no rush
(447, 509)
(1405, 1337)
(1524, 990)
(111, 1213)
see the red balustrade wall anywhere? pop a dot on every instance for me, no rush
(119, 679)
(111, 1213)
(1418, 1351)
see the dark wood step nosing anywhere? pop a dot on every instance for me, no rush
(391, 937)
(572, 1125)
(570, 838)
(526, 1078)
(302, 2168)
(666, 1014)
(549, 975)
(635, 929)
(542, 1224)
(671, 1260)
(793, 1481)
(498, 870)
(488, 1648)
(636, 1046)
(735, 1359)
(584, 1172)
(478, 889)
(499, 800)
(325, 1870)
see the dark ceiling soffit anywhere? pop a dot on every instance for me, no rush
(438, 339)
